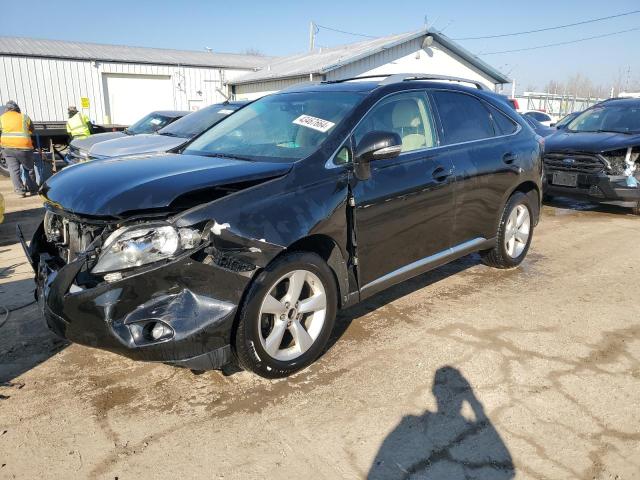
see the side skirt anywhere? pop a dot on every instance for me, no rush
(424, 265)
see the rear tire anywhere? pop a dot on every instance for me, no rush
(283, 328)
(636, 210)
(514, 235)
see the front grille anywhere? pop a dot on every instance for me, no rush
(69, 237)
(580, 163)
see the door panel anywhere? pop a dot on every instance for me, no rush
(481, 152)
(403, 213)
(403, 210)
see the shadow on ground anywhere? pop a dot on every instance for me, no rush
(446, 444)
(25, 340)
(403, 289)
(28, 220)
(585, 206)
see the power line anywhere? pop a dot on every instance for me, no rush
(551, 28)
(346, 33)
(562, 43)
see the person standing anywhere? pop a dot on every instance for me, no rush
(17, 147)
(78, 125)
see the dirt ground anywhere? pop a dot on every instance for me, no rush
(465, 372)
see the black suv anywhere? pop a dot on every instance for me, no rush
(597, 155)
(242, 245)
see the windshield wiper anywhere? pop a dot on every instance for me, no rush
(612, 131)
(168, 134)
(225, 155)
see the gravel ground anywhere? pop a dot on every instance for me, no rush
(465, 372)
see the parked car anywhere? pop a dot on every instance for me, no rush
(79, 148)
(167, 138)
(596, 156)
(564, 121)
(1, 208)
(246, 242)
(542, 117)
(539, 128)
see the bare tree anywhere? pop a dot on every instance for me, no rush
(254, 51)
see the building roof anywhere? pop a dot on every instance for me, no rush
(328, 59)
(32, 47)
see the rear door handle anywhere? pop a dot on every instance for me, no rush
(509, 158)
(440, 174)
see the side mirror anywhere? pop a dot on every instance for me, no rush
(375, 146)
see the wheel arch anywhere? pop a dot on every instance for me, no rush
(532, 191)
(328, 250)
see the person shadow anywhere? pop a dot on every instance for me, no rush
(445, 444)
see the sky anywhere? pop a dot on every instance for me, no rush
(282, 27)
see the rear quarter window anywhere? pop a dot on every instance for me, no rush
(464, 118)
(504, 125)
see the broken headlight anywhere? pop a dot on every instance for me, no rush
(620, 161)
(139, 245)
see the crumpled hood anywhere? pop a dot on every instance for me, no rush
(91, 140)
(589, 142)
(111, 188)
(136, 145)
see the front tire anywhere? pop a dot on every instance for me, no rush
(636, 209)
(287, 316)
(514, 235)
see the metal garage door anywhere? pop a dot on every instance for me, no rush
(131, 97)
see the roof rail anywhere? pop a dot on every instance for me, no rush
(405, 77)
(390, 78)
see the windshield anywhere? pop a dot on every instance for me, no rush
(565, 121)
(608, 118)
(283, 127)
(197, 122)
(149, 124)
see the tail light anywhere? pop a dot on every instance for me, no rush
(515, 104)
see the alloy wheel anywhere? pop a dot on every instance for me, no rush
(517, 231)
(292, 315)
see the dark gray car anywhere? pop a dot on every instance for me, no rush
(167, 138)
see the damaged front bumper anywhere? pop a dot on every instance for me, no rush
(195, 300)
(601, 188)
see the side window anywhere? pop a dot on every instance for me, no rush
(504, 125)
(406, 114)
(343, 156)
(464, 118)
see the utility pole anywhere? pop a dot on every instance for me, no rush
(312, 36)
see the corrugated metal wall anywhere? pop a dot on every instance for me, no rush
(44, 87)
(251, 91)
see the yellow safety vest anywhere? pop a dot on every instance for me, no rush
(16, 131)
(78, 126)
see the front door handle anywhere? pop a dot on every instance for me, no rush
(509, 158)
(440, 174)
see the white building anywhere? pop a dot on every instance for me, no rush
(112, 83)
(425, 51)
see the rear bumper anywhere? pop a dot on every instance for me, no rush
(198, 302)
(598, 188)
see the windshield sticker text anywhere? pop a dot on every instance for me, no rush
(314, 123)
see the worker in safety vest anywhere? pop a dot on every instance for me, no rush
(78, 125)
(17, 148)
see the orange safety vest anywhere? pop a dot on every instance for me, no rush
(16, 132)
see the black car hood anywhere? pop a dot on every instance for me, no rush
(112, 188)
(589, 142)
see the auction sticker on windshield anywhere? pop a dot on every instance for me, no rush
(225, 111)
(315, 123)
